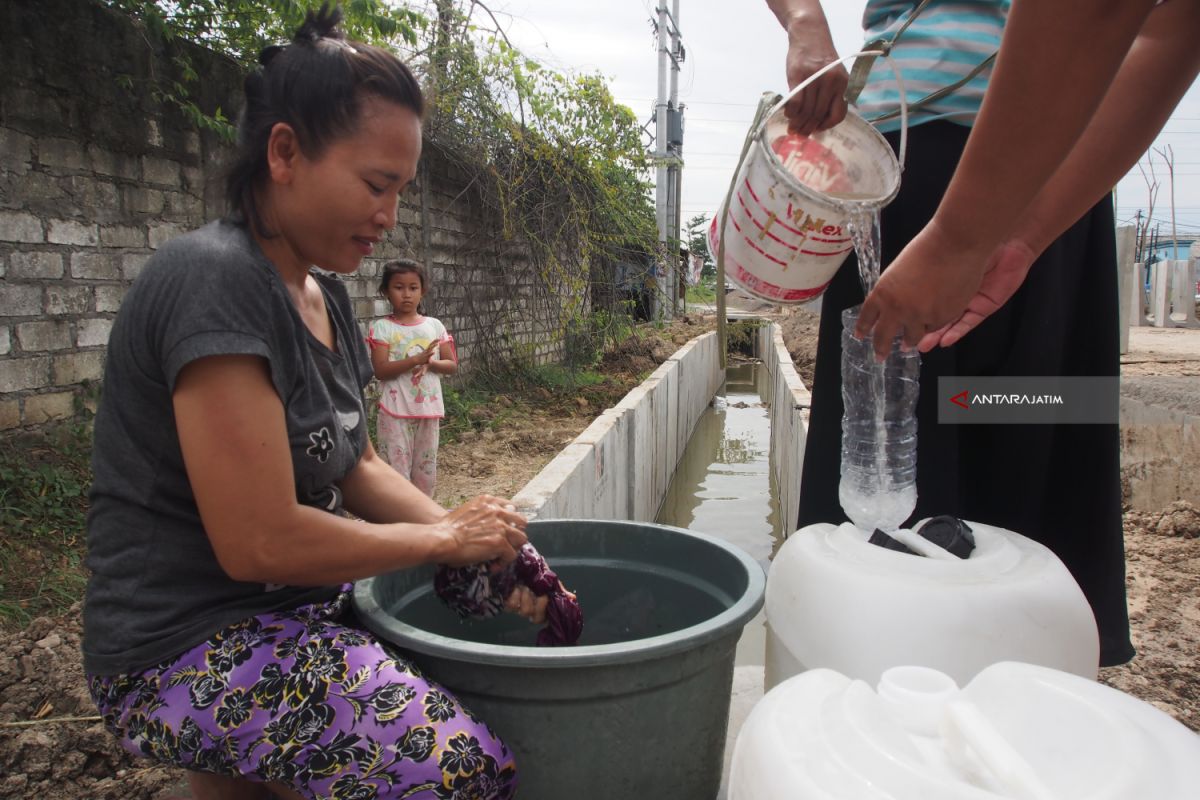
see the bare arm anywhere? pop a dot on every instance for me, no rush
(1158, 70)
(377, 493)
(1057, 60)
(235, 448)
(1163, 57)
(1028, 124)
(810, 47)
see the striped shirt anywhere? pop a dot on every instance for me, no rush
(944, 43)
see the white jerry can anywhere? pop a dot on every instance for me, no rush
(1015, 731)
(836, 601)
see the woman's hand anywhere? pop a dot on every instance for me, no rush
(484, 528)
(822, 104)
(927, 287)
(525, 603)
(1005, 274)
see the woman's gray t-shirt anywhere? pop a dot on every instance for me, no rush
(156, 588)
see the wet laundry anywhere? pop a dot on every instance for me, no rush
(478, 591)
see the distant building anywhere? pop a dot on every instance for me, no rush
(1185, 247)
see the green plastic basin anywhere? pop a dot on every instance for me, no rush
(639, 708)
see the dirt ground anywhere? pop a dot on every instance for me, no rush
(800, 329)
(1162, 551)
(529, 431)
(41, 678)
(1162, 351)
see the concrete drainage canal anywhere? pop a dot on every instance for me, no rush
(640, 707)
(724, 485)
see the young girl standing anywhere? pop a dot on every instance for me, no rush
(410, 352)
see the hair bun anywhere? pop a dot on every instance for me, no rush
(320, 24)
(254, 87)
(268, 53)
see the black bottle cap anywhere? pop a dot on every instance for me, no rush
(949, 533)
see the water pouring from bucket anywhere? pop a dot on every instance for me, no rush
(797, 206)
(786, 223)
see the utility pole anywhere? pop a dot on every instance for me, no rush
(667, 155)
(1139, 236)
(675, 146)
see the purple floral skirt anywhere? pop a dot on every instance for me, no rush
(301, 698)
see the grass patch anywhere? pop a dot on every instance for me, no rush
(558, 378)
(486, 401)
(480, 404)
(44, 481)
(468, 408)
(701, 294)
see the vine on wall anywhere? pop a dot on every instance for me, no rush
(557, 163)
(554, 164)
(240, 29)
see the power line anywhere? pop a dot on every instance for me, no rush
(698, 102)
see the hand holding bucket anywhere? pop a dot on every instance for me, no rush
(783, 222)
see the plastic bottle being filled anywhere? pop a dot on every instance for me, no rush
(878, 488)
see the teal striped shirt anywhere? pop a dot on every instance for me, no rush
(947, 41)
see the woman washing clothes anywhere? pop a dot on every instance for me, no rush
(231, 437)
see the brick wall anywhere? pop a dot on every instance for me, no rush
(95, 174)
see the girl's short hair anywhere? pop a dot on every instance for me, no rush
(399, 267)
(316, 85)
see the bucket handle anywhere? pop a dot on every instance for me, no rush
(783, 101)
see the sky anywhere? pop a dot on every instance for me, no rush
(735, 56)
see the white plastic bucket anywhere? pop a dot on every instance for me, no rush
(786, 228)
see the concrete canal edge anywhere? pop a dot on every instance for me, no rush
(621, 466)
(790, 402)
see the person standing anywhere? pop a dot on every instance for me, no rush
(999, 250)
(410, 352)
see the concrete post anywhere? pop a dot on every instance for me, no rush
(1126, 280)
(1138, 299)
(1183, 294)
(1160, 294)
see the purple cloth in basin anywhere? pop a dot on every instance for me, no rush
(479, 592)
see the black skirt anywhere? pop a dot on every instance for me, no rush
(1057, 484)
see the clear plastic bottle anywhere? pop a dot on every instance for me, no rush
(878, 488)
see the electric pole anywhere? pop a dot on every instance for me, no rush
(1138, 239)
(667, 155)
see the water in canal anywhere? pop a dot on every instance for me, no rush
(723, 485)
